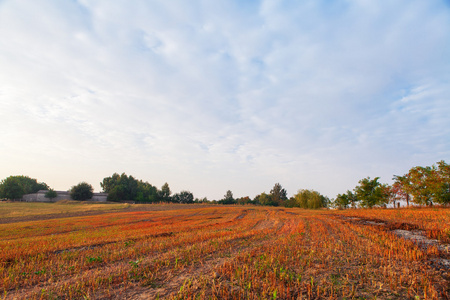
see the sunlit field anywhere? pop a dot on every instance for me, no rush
(26, 209)
(229, 252)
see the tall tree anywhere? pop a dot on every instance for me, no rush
(120, 187)
(146, 193)
(401, 189)
(422, 184)
(370, 192)
(228, 198)
(443, 185)
(164, 194)
(430, 184)
(278, 194)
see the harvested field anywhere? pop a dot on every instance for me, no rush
(13, 212)
(228, 252)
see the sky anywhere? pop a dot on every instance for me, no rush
(211, 96)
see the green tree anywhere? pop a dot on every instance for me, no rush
(244, 200)
(51, 194)
(264, 199)
(228, 198)
(183, 197)
(443, 187)
(82, 191)
(370, 192)
(122, 187)
(309, 199)
(278, 194)
(401, 189)
(164, 194)
(146, 193)
(10, 188)
(14, 187)
(346, 200)
(430, 184)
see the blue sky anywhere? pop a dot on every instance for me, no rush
(217, 95)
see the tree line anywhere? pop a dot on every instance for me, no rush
(125, 187)
(421, 185)
(15, 187)
(308, 199)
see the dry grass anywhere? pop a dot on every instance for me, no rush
(24, 209)
(224, 253)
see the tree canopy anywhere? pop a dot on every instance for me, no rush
(278, 195)
(309, 199)
(82, 191)
(14, 187)
(370, 192)
(228, 198)
(183, 197)
(425, 185)
(346, 200)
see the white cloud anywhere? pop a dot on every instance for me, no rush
(211, 96)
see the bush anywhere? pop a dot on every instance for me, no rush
(82, 191)
(51, 194)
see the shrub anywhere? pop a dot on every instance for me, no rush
(82, 191)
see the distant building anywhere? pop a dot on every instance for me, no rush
(61, 195)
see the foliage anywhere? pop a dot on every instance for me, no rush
(346, 200)
(308, 199)
(426, 185)
(201, 200)
(82, 191)
(244, 200)
(278, 194)
(123, 187)
(120, 187)
(228, 198)
(14, 187)
(146, 192)
(370, 192)
(164, 194)
(264, 199)
(400, 189)
(51, 194)
(183, 197)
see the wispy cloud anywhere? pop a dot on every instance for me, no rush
(211, 96)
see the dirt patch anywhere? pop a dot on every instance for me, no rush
(242, 215)
(264, 224)
(410, 232)
(419, 237)
(377, 222)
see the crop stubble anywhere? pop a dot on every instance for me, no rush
(226, 253)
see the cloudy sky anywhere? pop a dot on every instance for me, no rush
(217, 95)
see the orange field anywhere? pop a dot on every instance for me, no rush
(230, 252)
